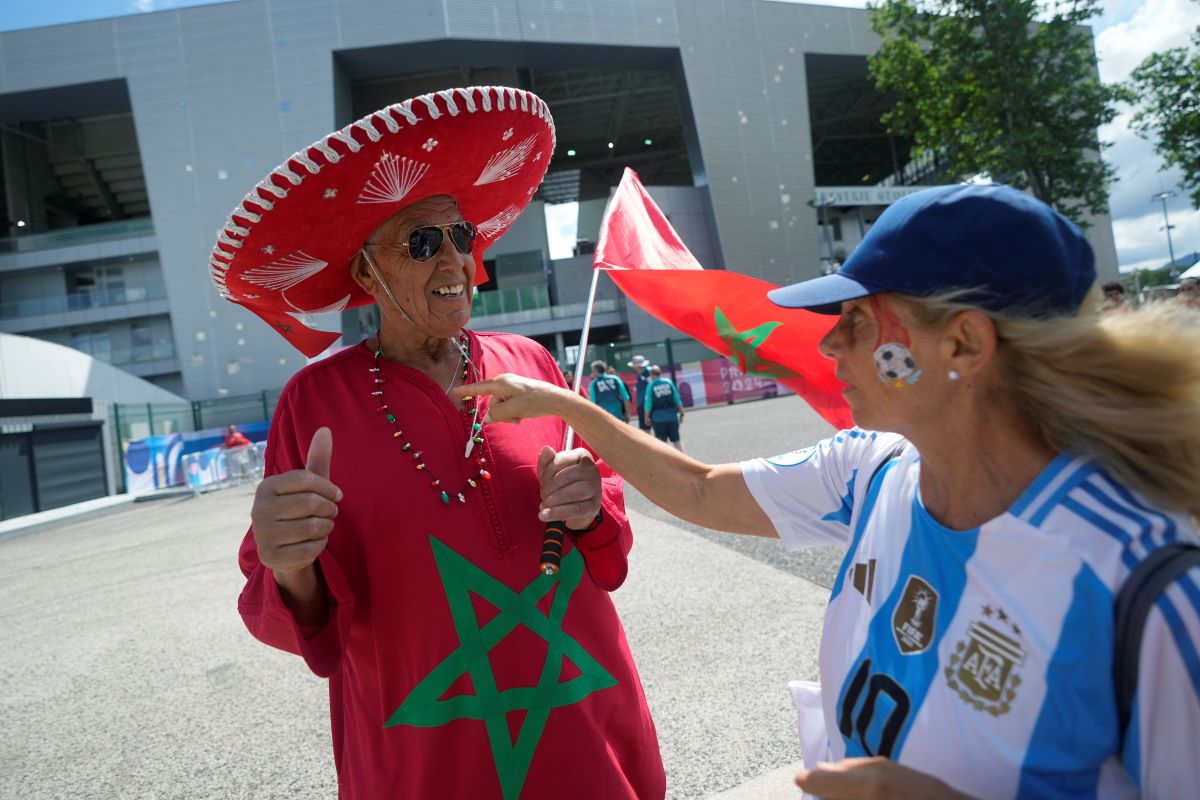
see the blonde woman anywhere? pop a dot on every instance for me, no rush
(1015, 460)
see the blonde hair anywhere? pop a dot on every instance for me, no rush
(1123, 390)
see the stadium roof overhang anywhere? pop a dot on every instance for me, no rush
(613, 106)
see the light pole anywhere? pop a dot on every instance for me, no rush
(1163, 197)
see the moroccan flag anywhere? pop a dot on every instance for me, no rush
(726, 311)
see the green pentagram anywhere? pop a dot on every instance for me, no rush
(743, 348)
(423, 709)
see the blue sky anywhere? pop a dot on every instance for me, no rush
(1126, 32)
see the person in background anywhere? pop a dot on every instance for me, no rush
(608, 391)
(1017, 457)
(641, 368)
(1114, 299)
(1189, 294)
(662, 409)
(235, 438)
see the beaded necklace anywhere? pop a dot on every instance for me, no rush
(474, 437)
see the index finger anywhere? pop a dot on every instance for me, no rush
(490, 387)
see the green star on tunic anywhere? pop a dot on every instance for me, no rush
(423, 709)
(743, 348)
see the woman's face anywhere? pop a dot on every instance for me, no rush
(436, 293)
(888, 362)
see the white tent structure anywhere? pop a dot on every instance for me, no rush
(33, 368)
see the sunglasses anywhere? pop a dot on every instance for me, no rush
(426, 242)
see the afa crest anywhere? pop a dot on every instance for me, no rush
(983, 667)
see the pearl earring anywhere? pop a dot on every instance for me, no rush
(953, 375)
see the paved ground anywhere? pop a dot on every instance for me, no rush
(126, 673)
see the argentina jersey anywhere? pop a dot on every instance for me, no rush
(984, 657)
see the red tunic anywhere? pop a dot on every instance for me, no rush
(455, 669)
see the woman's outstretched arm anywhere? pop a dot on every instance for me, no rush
(714, 496)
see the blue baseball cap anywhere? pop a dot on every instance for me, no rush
(1009, 252)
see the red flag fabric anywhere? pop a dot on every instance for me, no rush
(726, 311)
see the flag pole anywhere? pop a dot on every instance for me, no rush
(583, 345)
(552, 540)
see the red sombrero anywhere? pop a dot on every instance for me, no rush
(286, 249)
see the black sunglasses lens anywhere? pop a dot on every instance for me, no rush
(424, 243)
(463, 236)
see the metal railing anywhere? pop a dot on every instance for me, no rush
(510, 301)
(80, 301)
(84, 234)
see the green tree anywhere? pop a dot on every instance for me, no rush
(1168, 88)
(1007, 87)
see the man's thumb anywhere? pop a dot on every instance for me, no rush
(545, 458)
(320, 453)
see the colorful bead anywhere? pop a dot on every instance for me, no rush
(472, 483)
(377, 392)
(479, 440)
(420, 466)
(477, 426)
(445, 497)
(396, 434)
(483, 473)
(407, 447)
(461, 499)
(391, 417)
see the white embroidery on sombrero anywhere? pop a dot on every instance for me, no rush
(269, 249)
(405, 110)
(507, 135)
(340, 305)
(284, 273)
(506, 163)
(434, 111)
(498, 222)
(224, 238)
(331, 155)
(391, 179)
(430, 143)
(310, 165)
(330, 194)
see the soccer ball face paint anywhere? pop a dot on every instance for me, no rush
(894, 362)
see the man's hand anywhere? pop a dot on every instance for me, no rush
(571, 488)
(293, 513)
(875, 778)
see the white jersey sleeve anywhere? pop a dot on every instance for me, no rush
(811, 495)
(1160, 749)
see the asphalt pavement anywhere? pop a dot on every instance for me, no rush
(125, 670)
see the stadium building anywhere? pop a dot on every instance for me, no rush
(125, 142)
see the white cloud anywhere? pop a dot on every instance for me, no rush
(142, 6)
(1136, 31)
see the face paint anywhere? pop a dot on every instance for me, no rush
(894, 362)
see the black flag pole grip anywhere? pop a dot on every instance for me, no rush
(552, 546)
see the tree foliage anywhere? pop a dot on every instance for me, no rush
(1007, 87)
(1168, 87)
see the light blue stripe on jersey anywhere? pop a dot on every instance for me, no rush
(938, 556)
(1061, 765)
(842, 514)
(1115, 531)
(868, 507)
(1034, 491)
(1081, 473)
(1169, 532)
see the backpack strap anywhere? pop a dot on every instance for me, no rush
(1142, 588)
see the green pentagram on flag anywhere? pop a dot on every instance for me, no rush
(743, 348)
(423, 708)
